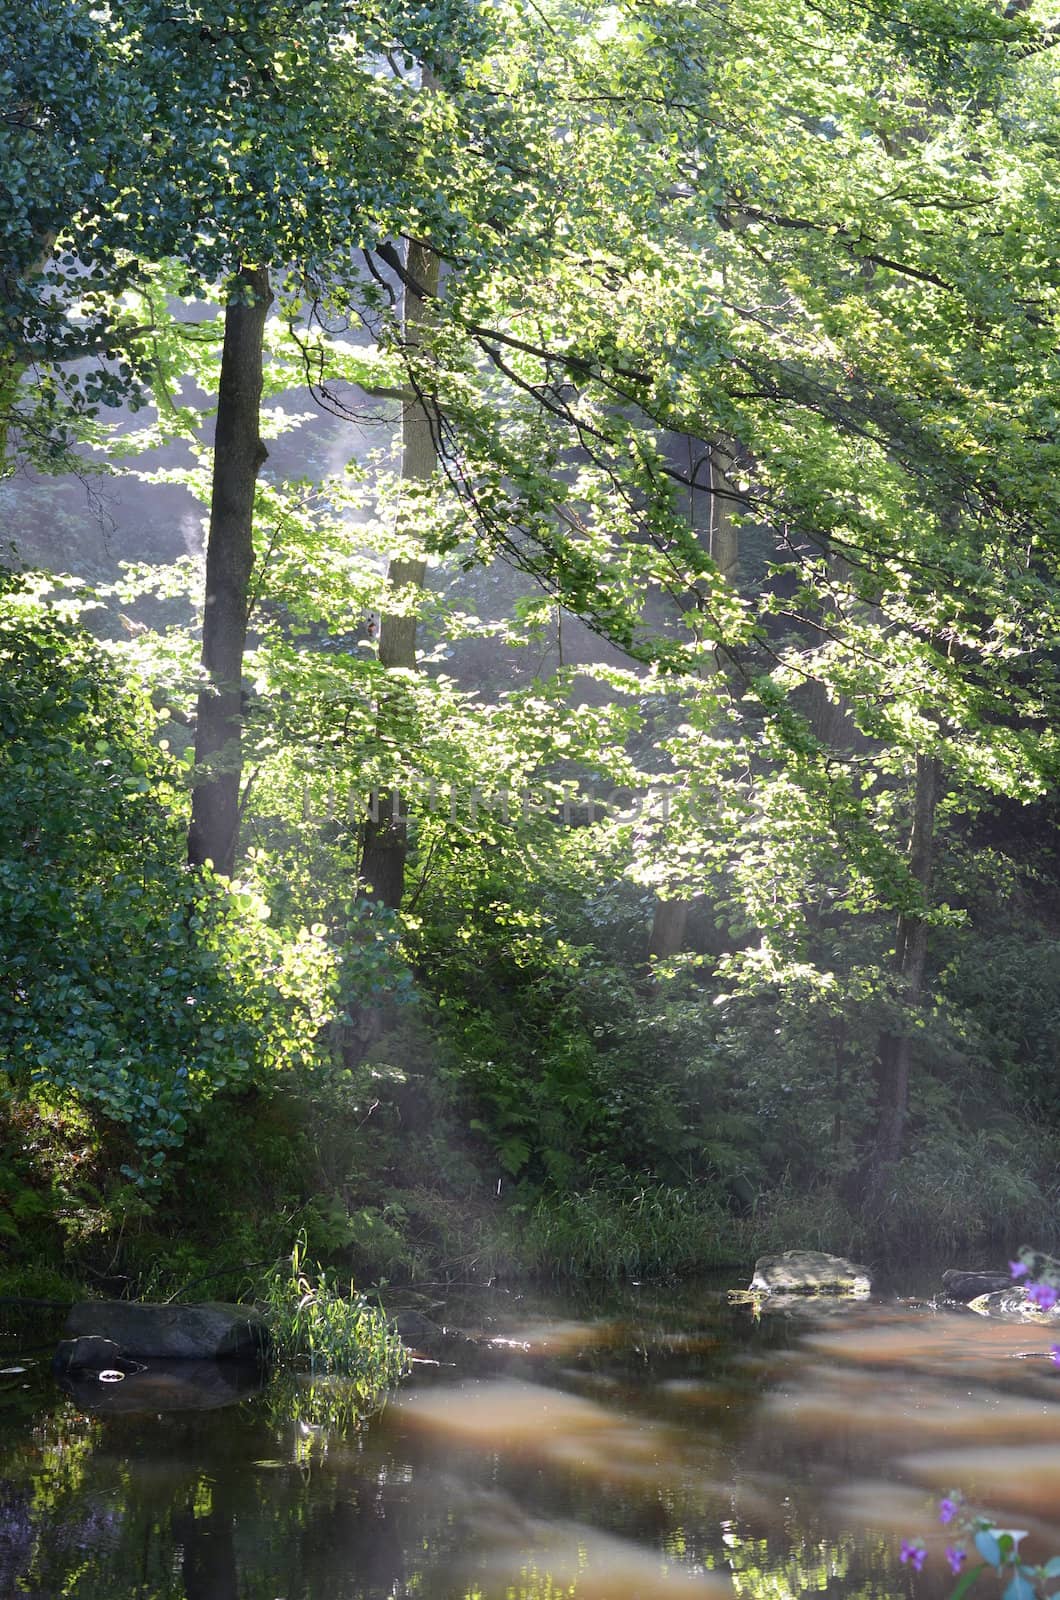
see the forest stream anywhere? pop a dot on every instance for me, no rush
(646, 1444)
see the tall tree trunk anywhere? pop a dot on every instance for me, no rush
(238, 455)
(910, 957)
(386, 829)
(670, 918)
(724, 534)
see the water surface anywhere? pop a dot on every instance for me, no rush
(653, 1445)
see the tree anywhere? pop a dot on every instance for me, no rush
(862, 300)
(128, 983)
(267, 138)
(792, 243)
(386, 835)
(238, 455)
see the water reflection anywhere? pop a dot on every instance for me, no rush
(541, 1560)
(164, 1386)
(940, 1343)
(665, 1448)
(536, 1423)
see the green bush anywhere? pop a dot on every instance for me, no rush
(140, 986)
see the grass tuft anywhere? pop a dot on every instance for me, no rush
(321, 1330)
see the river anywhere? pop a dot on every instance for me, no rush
(648, 1444)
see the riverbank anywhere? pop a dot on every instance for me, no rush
(264, 1170)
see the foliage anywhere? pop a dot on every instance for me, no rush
(141, 133)
(998, 1550)
(743, 263)
(143, 990)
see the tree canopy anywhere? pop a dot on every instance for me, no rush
(729, 331)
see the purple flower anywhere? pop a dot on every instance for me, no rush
(947, 1509)
(1043, 1295)
(956, 1557)
(1018, 1269)
(914, 1554)
(1054, 1355)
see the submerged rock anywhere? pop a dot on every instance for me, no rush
(418, 1332)
(93, 1355)
(809, 1272)
(210, 1332)
(965, 1286)
(164, 1386)
(1014, 1304)
(452, 1347)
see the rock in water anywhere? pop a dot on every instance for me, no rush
(1014, 1303)
(165, 1386)
(966, 1286)
(90, 1354)
(209, 1332)
(809, 1272)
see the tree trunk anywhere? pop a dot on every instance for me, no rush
(670, 918)
(910, 957)
(386, 828)
(237, 459)
(668, 929)
(724, 534)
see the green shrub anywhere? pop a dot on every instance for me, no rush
(141, 987)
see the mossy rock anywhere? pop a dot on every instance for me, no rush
(809, 1272)
(1014, 1305)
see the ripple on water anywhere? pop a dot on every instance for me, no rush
(909, 1410)
(1024, 1478)
(557, 1336)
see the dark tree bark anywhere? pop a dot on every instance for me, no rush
(385, 846)
(668, 929)
(910, 958)
(237, 459)
(670, 917)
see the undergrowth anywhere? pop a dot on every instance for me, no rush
(640, 1231)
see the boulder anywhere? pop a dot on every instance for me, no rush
(1014, 1304)
(966, 1286)
(210, 1332)
(809, 1272)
